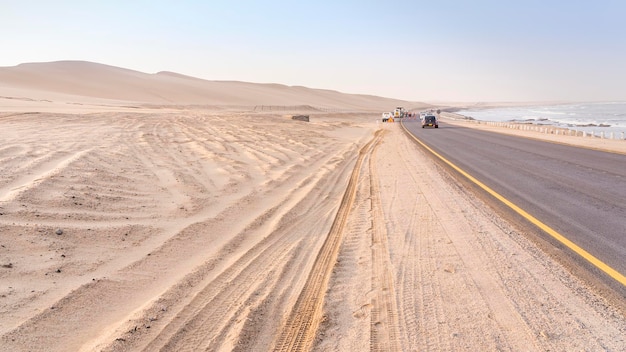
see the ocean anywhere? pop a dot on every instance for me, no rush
(589, 117)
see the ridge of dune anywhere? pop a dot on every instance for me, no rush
(79, 80)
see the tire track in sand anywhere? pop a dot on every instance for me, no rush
(302, 324)
(39, 174)
(384, 322)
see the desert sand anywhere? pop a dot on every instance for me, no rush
(161, 212)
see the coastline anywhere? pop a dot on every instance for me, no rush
(553, 134)
(602, 119)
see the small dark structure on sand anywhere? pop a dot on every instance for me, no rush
(304, 118)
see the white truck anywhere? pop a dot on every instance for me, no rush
(399, 112)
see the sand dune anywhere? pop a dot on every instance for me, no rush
(79, 80)
(162, 221)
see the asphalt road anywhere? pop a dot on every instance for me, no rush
(580, 193)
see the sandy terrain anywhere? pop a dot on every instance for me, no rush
(220, 228)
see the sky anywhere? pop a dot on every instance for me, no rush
(433, 51)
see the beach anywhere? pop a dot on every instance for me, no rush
(176, 222)
(602, 119)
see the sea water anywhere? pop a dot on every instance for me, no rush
(589, 117)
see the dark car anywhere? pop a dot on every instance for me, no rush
(430, 121)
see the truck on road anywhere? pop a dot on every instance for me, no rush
(399, 112)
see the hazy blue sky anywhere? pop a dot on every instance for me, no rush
(475, 50)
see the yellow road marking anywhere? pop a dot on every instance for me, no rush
(547, 229)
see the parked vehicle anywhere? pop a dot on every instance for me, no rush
(399, 112)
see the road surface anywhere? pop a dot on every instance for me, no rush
(580, 193)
